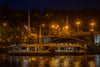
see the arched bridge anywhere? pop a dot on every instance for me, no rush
(59, 44)
(66, 39)
(65, 43)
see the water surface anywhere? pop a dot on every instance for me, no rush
(49, 61)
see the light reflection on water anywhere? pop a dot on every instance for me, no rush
(50, 61)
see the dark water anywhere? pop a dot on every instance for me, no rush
(49, 61)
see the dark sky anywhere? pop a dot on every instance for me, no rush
(55, 4)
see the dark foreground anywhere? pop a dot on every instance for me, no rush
(50, 61)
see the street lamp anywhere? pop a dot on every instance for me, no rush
(78, 24)
(53, 26)
(92, 25)
(66, 27)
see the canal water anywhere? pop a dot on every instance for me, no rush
(50, 61)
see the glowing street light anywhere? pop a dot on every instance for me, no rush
(66, 27)
(53, 26)
(92, 24)
(78, 22)
(4, 24)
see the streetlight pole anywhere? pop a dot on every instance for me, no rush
(92, 25)
(78, 25)
(67, 20)
(67, 27)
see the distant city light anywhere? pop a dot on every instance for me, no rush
(4, 24)
(53, 26)
(26, 27)
(0, 39)
(43, 25)
(92, 24)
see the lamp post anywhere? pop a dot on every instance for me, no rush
(67, 26)
(65, 29)
(92, 25)
(78, 25)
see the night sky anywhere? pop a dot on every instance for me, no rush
(55, 4)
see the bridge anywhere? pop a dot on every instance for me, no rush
(44, 48)
(48, 44)
(53, 45)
